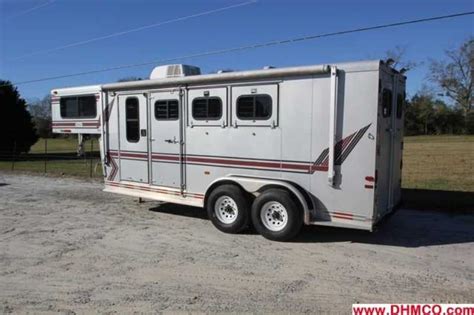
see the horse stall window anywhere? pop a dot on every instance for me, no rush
(207, 108)
(386, 103)
(78, 107)
(132, 119)
(166, 110)
(254, 107)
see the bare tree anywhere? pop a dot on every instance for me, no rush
(130, 78)
(40, 110)
(398, 55)
(454, 75)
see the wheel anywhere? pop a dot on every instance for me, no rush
(228, 209)
(276, 216)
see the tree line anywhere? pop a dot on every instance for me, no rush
(443, 108)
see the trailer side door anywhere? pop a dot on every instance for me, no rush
(166, 138)
(133, 135)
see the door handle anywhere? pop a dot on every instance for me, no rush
(172, 140)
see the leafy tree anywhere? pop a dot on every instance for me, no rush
(425, 114)
(40, 109)
(454, 75)
(17, 131)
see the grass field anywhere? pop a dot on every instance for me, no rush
(61, 158)
(429, 162)
(439, 162)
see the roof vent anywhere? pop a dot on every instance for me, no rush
(268, 67)
(174, 71)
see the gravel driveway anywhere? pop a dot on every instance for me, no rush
(66, 246)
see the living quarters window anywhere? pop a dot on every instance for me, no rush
(132, 119)
(254, 107)
(400, 101)
(207, 108)
(166, 109)
(78, 106)
(386, 103)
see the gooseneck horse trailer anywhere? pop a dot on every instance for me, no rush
(275, 148)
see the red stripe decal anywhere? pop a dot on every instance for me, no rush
(342, 215)
(369, 186)
(370, 178)
(152, 189)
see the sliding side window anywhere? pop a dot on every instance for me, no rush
(166, 110)
(78, 106)
(207, 108)
(254, 107)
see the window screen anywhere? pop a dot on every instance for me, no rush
(400, 101)
(166, 109)
(207, 108)
(132, 119)
(254, 107)
(78, 107)
(386, 103)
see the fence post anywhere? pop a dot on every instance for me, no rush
(45, 154)
(91, 156)
(13, 156)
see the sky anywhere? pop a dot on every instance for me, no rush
(31, 26)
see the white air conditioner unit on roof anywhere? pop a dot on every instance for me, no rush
(174, 71)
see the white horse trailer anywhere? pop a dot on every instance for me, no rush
(276, 148)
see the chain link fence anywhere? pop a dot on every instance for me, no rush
(55, 156)
(429, 162)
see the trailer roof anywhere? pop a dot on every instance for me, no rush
(88, 89)
(370, 65)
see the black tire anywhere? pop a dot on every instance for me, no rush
(293, 211)
(243, 206)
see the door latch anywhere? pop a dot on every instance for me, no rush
(172, 140)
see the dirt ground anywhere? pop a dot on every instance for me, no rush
(68, 247)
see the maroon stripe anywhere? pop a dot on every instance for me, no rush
(76, 126)
(152, 189)
(164, 157)
(135, 155)
(322, 168)
(226, 161)
(233, 162)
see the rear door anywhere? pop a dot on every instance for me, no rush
(166, 138)
(384, 149)
(133, 135)
(398, 116)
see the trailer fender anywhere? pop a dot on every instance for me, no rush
(254, 185)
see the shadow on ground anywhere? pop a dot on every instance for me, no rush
(425, 199)
(427, 218)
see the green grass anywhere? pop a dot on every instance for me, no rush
(439, 163)
(61, 158)
(429, 162)
(62, 145)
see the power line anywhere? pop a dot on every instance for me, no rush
(254, 46)
(30, 10)
(141, 28)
